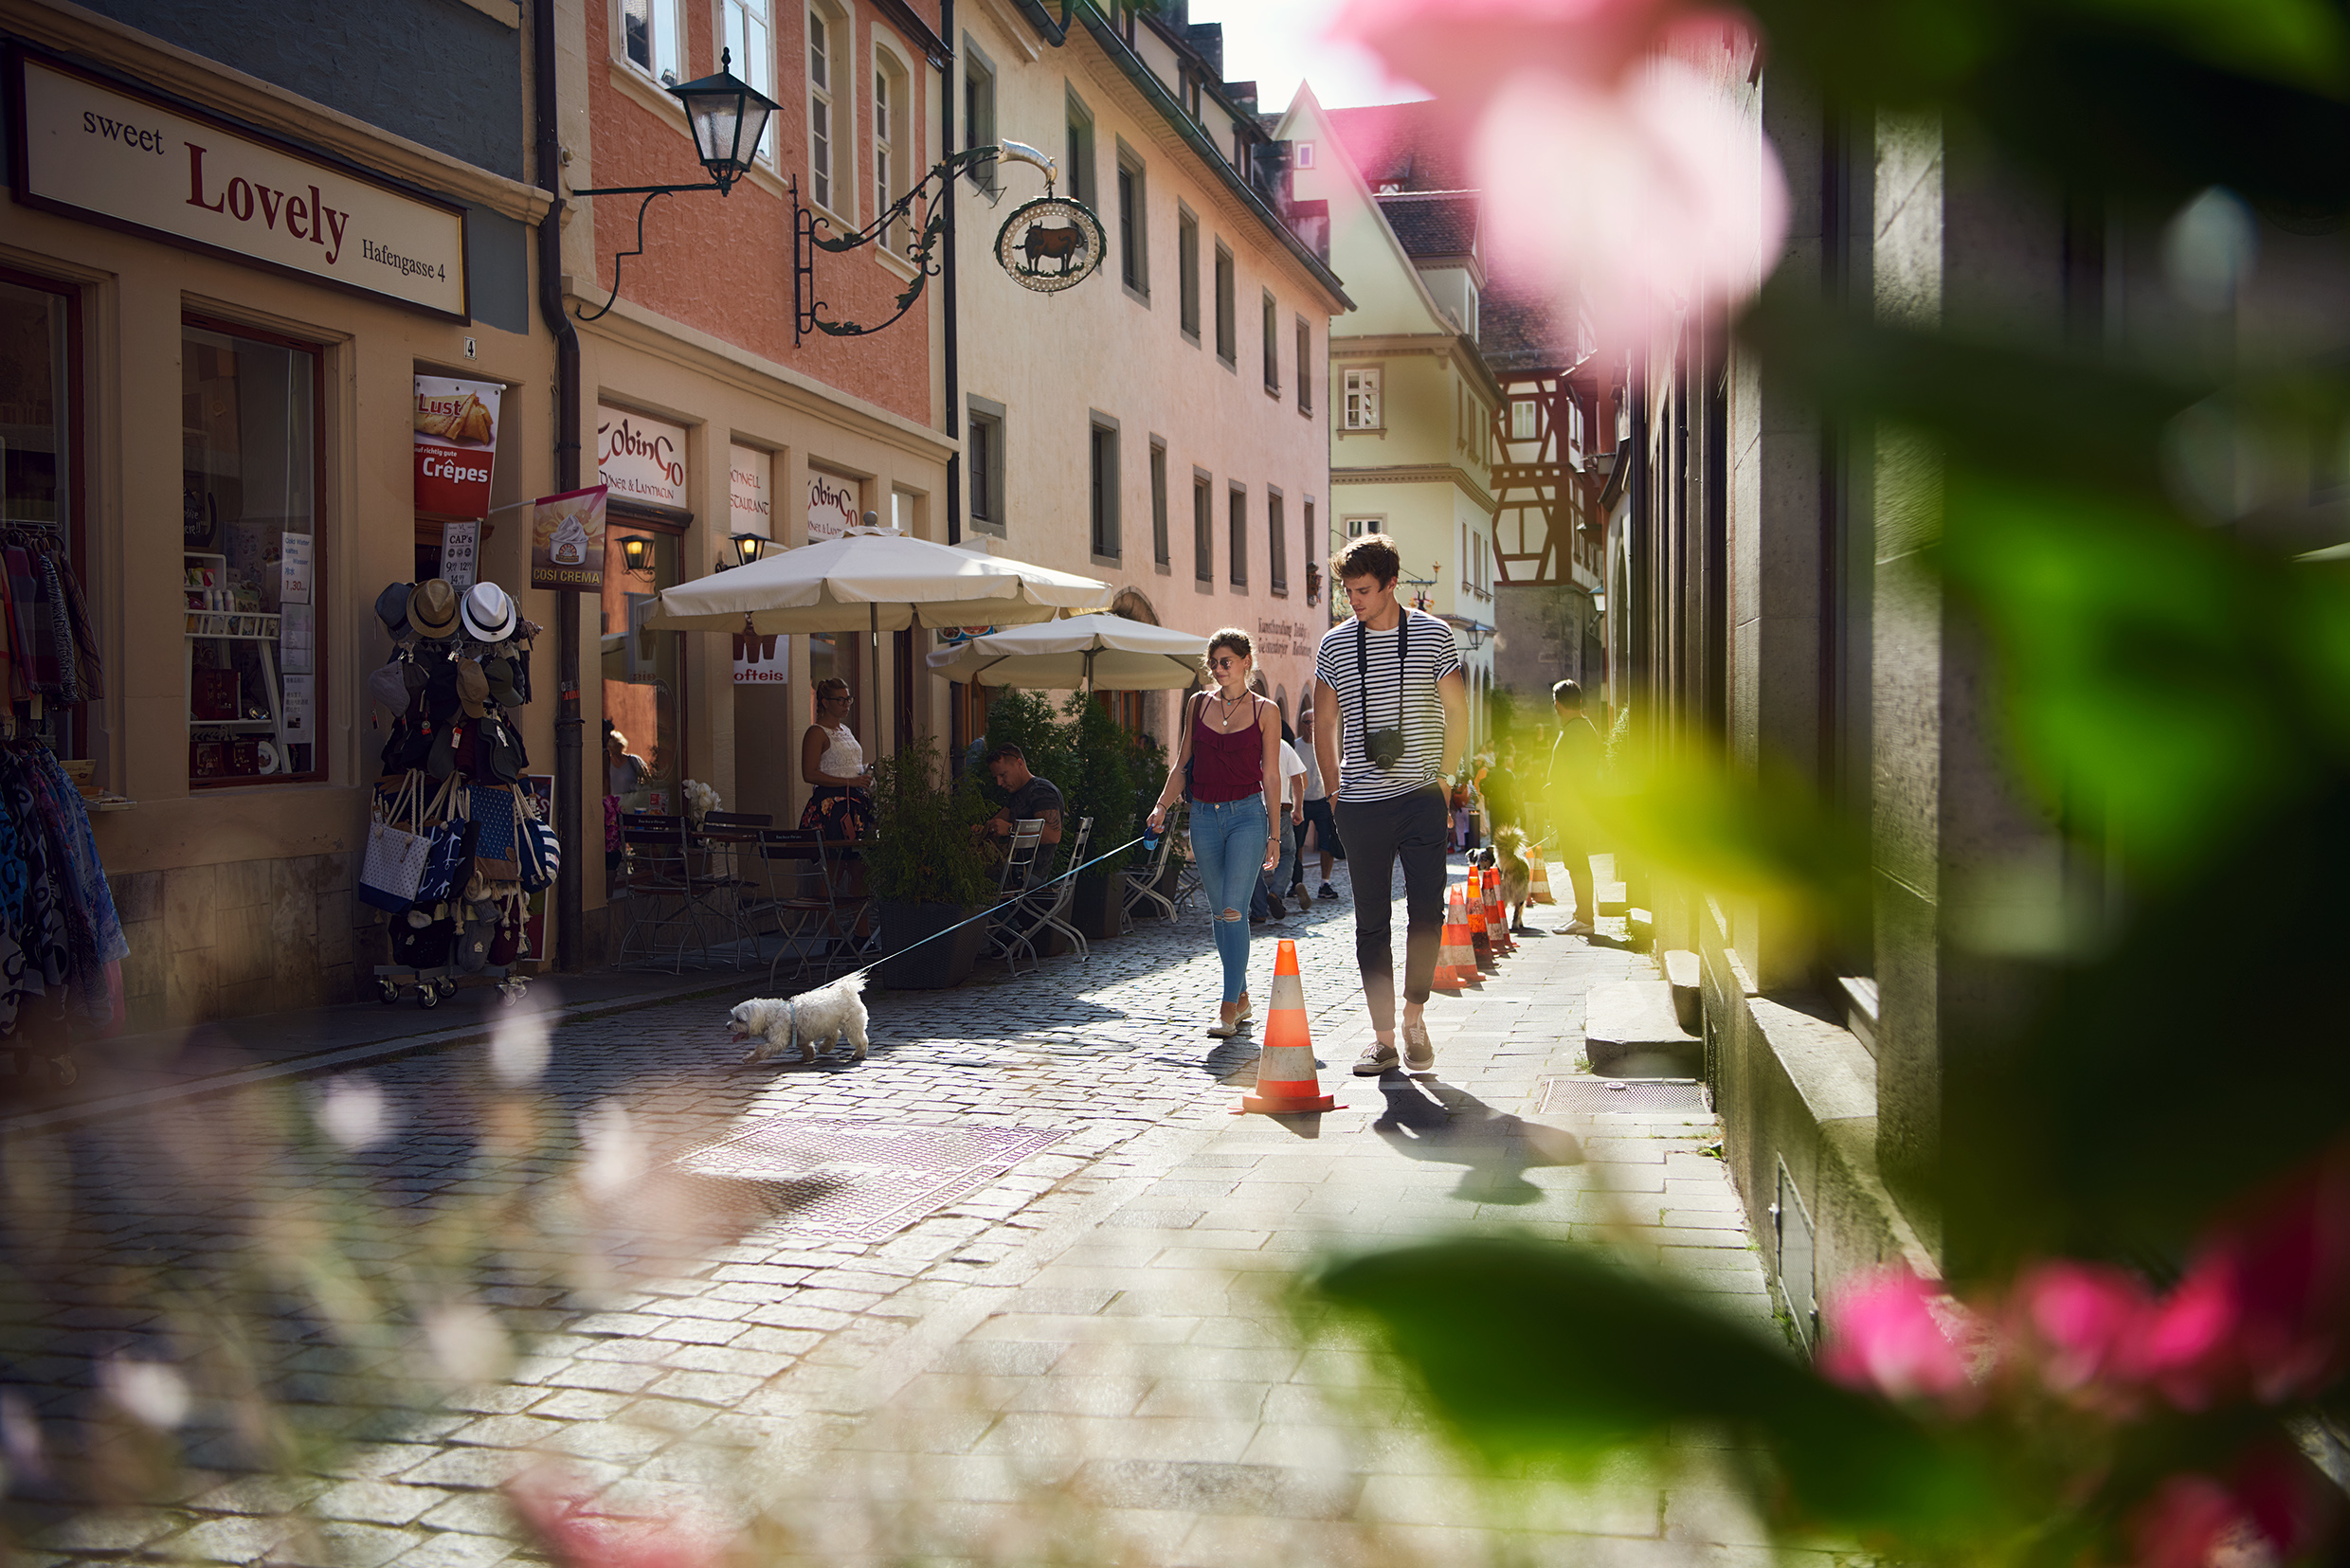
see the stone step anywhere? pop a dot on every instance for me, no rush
(1630, 1030)
(1684, 974)
(1611, 897)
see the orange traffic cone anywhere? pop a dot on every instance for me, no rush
(1540, 879)
(1480, 940)
(1457, 965)
(1286, 1083)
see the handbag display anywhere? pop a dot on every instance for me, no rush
(424, 947)
(496, 835)
(542, 852)
(394, 864)
(449, 861)
(507, 943)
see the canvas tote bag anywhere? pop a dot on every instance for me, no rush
(395, 851)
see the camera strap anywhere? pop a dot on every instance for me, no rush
(1363, 671)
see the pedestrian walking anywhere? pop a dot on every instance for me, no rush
(1318, 818)
(1575, 758)
(1392, 681)
(1228, 763)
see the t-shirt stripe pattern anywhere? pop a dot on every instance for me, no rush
(1431, 657)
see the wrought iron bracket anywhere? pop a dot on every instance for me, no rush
(807, 307)
(649, 192)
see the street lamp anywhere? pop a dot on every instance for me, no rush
(729, 120)
(1477, 635)
(747, 548)
(634, 550)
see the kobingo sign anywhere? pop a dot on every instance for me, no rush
(642, 458)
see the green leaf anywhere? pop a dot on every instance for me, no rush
(1532, 1350)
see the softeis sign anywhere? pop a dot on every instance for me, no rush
(91, 149)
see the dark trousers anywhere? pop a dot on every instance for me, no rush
(1413, 829)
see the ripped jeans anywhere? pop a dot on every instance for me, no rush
(1229, 845)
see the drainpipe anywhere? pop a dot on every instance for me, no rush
(954, 345)
(548, 162)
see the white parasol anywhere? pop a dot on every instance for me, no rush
(873, 580)
(1102, 653)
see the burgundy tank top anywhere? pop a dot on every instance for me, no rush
(1225, 767)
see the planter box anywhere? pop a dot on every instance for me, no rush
(1098, 909)
(911, 961)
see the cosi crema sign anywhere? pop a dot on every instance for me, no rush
(92, 149)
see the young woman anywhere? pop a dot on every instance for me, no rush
(1232, 739)
(831, 760)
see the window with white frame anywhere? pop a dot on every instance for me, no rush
(892, 150)
(827, 83)
(750, 35)
(1362, 400)
(1523, 419)
(979, 114)
(652, 38)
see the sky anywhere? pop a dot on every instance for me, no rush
(1275, 43)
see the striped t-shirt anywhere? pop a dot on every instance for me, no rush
(1431, 657)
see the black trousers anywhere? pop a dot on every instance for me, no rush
(1414, 829)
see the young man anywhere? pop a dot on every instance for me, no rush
(1317, 810)
(1392, 682)
(1575, 758)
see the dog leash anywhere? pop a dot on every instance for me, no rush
(1150, 841)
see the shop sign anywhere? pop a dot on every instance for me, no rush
(567, 540)
(641, 460)
(748, 508)
(456, 439)
(762, 660)
(93, 151)
(831, 507)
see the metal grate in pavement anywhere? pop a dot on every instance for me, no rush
(841, 1180)
(1597, 1096)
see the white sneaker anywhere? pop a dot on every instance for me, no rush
(1419, 1052)
(1378, 1060)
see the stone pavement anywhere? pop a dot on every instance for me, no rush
(1088, 1355)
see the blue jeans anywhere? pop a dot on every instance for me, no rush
(1229, 845)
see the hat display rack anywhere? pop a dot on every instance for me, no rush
(456, 846)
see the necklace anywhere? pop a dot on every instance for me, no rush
(1229, 705)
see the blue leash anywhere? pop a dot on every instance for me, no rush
(1149, 841)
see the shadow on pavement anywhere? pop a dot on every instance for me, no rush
(1428, 1119)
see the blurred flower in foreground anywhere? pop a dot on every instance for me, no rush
(574, 1534)
(147, 1391)
(1615, 171)
(519, 1048)
(1885, 1338)
(353, 1111)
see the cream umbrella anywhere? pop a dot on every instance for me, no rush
(1099, 652)
(873, 580)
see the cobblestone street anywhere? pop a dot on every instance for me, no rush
(1085, 1356)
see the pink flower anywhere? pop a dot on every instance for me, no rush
(2271, 1509)
(2183, 1339)
(2184, 1520)
(2087, 1315)
(1620, 176)
(1883, 1335)
(574, 1534)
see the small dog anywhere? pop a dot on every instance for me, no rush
(805, 1025)
(1517, 878)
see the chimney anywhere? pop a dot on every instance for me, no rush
(1207, 40)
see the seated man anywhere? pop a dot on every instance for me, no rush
(1031, 797)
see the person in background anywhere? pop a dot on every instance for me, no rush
(1318, 818)
(1230, 738)
(840, 803)
(1503, 806)
(1272, 887)
(624, 774)
(1575, 758)
(1032, 799)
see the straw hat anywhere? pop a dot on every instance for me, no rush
(432, 608)
(473, 688)
(488, 613)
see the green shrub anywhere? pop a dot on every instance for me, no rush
(1100, 782)
(923, 851)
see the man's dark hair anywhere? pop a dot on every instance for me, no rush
(1568, 694)
(1372, 555)
(1006, 750)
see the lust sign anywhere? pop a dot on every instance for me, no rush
(456, 438)
(93, 149)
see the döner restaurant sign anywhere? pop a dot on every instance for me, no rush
(92, 149)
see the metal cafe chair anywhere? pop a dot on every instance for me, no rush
(1142, 887)
(718, 883)
(656, 875)
(1025, 920)
(1020, 856)
(804, 919)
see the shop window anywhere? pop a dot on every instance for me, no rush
(750, 35)
(653, 37)
(40, 474)
(644, 670)
(249, 504)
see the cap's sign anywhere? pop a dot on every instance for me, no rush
(93, 149)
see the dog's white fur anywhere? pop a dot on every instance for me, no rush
(807, 1023)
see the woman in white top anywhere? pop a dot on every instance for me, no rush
(830, 759)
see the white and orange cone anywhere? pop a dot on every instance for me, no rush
(1457, 966)
(1286, 1082)
(1497, 915)
(1539, 883)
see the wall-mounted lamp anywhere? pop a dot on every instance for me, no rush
(747, 548)
(1476, 636)
(637, 551)
(1598, 604)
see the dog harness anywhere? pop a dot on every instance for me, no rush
(791, 1016)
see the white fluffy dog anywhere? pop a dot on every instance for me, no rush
(806, 1024)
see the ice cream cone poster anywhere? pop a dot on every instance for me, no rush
(456, 439)
(567, 540)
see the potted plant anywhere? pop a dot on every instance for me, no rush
(926, 870)
(1101, 785)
